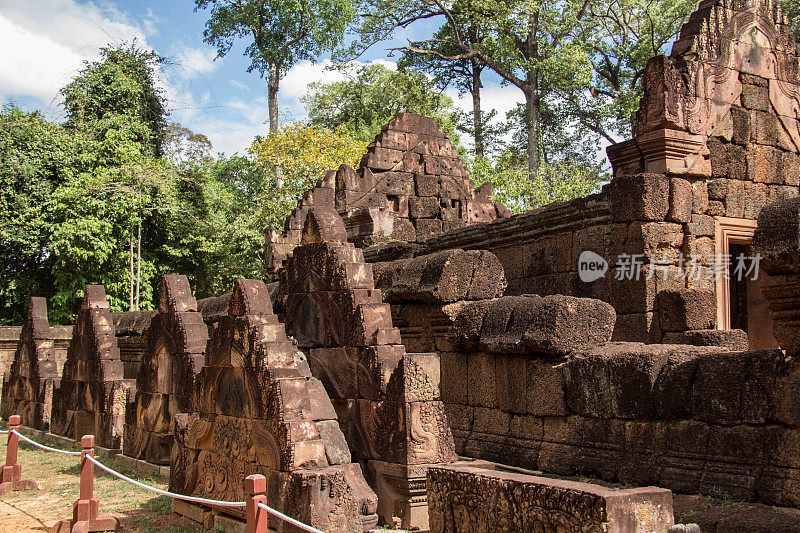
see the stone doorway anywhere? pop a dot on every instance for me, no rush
(740, 304)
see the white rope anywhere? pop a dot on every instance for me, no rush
(42, 446)
(3, 431)
(164, 492)
(289, 519)
(206, 501)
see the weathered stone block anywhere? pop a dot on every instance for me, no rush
(553, 324)
(423, 207)
(631, 510)
(544, 389)
(762, 164)
(734, 339)
(639, 197)
(427, 228)
(755, 97)
(680, 200)
(685, 310)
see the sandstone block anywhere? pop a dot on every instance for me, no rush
(620, 508)
(639, 197)
(680, 200)
(686, 310)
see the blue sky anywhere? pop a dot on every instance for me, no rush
(46, 41)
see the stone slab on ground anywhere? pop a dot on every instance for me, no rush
(465, 498)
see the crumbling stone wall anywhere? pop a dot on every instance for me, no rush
(387, 400)
(92, 395)
(175, 347)
(9, 342)
(257, 409)
(411, 185)
(130, 328)
(540, 388)
(716, 136)
(35, 371)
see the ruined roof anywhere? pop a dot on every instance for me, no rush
(132, 322)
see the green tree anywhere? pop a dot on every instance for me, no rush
(464, 75)
(621, 37)
(514, 187)
(561, 55)
(183, 147)
(534, 45)
(217, 234)
(35, 158)
(369, 97)
(281, 33)
(792, 10)
(117, 95)
(303, 153)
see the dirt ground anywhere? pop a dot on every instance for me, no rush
(58, 476)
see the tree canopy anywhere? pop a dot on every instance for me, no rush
(280, 33)
(371, 95)
(303, 154)
(577, 63)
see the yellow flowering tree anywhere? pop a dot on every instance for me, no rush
(296, 157)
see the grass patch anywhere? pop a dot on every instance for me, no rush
(58, 476)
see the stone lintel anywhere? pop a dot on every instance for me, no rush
(663, 151)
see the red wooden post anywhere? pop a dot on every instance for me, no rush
(255, 487)
(84, 510)
(11, 473)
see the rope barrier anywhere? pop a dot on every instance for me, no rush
(3, 431)
(288, 519)
(42, 446)
(164, 492)
(86, 454)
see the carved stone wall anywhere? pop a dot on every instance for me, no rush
(732, 78)
(469, 499)
(387, 400)
(174, 354)
(130, 328)
(93, 391)
(410, 186)
(688, 418)
(716, 136)
(35, 371)
(257, 409)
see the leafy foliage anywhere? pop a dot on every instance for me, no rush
(283, 32)
(371, 96)
(35, 158)
(184, 147)
(117, 96)
(297, 156)
(791, 9)
(514, 188)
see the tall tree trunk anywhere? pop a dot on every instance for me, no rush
(138, 263)
(272, 99)
(533, 111)
(475, 89)
(130, 293)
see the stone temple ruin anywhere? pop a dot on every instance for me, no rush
(420, 358)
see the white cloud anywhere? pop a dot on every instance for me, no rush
(296, 81)
(44, 67)
(194, 61)
(47, 41)
(240, 85)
